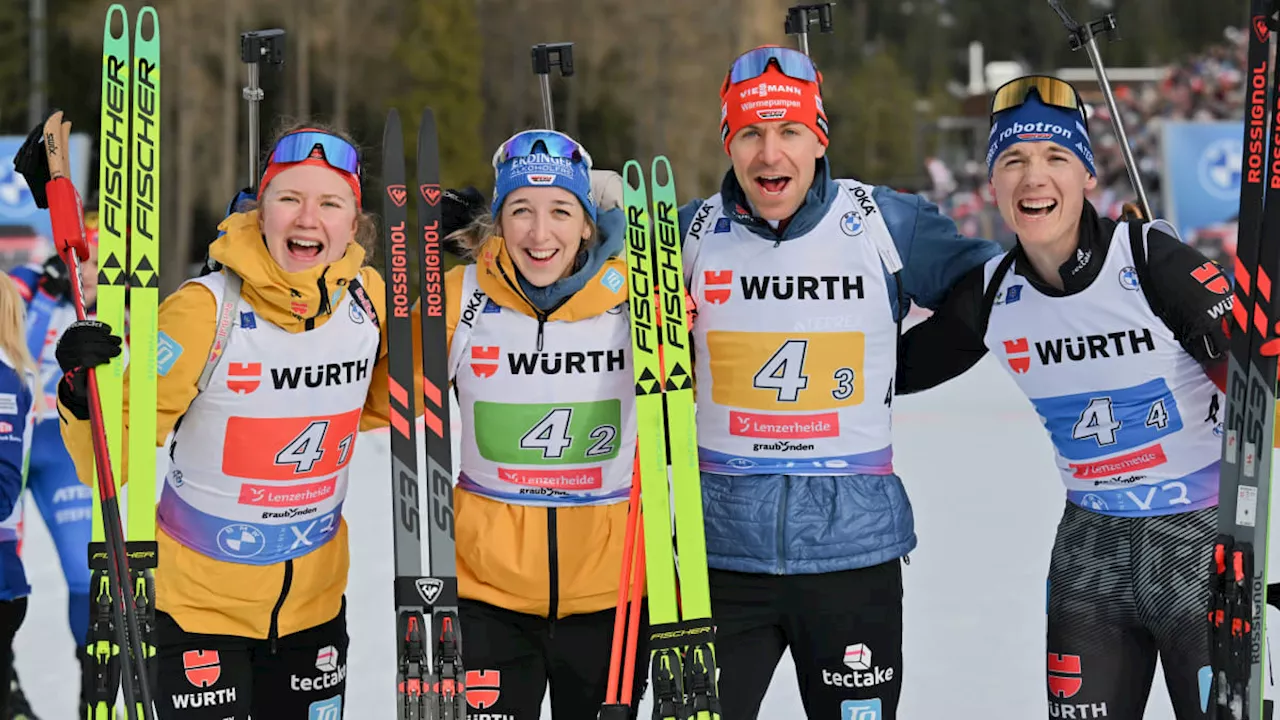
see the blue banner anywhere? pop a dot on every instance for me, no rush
(25, 232)
(1201, 177)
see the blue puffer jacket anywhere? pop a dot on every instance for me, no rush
(793, 524)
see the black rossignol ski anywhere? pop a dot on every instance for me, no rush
(429, 674)
(1238, 568)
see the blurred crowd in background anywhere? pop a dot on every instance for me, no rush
(1206, 86)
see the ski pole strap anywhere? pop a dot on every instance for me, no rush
(222, 333)
(682, 634)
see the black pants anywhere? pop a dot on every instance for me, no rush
(844, 630)
(12, 613)
(510, 658)
(1122, 592)
(222, 677)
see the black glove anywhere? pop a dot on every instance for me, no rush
(460, 208)
(85, 344)
(55, 279)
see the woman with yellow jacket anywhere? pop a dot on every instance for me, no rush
(540, 352)
(253, 552)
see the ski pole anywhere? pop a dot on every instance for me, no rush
(800, 17)
(67, 217)
(1086, 36)
(257, 46)
(545, 55)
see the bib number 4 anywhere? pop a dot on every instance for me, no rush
(784, 373)
(551, 436)
(1098, 421)
(305, 450)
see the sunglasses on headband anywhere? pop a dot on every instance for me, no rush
(753, 63)
(555, 144)
(298, 146)
(1052, 91)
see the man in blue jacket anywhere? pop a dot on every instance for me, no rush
(801, 283)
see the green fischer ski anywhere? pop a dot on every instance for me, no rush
(681, 636)
(128, 264)
(144, 298)
(102, 672)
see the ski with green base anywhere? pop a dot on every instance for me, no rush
(681, 634)
(128, 274)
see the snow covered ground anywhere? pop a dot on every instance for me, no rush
(979, 470)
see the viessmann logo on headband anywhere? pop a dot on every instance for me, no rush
(763, 89)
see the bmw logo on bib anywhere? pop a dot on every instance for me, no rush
(852, 224)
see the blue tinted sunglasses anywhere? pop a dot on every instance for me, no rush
(299, 146)
(752, 64)
(555, 144)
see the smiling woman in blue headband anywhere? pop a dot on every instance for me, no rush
(546, 393)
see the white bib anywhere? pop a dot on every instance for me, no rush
(260, 459)
(795, 342)
(548, 425)
(1138, 430)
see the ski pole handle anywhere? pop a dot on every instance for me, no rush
(257, 46)
(800, 17)
(545, 56)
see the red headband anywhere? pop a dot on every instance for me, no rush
(772, 97)
(317, 160)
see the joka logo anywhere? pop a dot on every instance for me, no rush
(1212, 278)
(719, 286)
(430, 193)
(1018, 352)
(244, 378)
(484, 360)
(201, 667)
(483, 688)
(398, 194)
(429, 589)
(1067, 681)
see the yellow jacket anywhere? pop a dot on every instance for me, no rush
(308, 589)
(550, 562)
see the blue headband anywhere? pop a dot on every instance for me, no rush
(542, 170)
(1033, 121)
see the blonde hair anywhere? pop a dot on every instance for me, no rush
(485, 227)
(367, 232)
(13, 336)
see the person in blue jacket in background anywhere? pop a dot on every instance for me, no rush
(66, 504)
(18, 407)
(801, 283)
